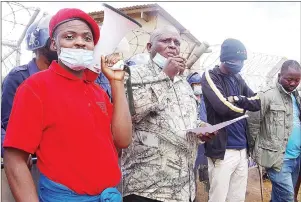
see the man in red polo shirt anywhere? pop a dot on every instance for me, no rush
(68, 121)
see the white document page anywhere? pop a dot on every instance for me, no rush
(212, 128)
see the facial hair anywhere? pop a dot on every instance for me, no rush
(49, 54)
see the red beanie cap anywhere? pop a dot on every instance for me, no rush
(66, 14)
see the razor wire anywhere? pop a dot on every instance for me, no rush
(257, 68)
(140, 38)
(15, 20)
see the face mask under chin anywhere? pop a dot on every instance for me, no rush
(76, 59)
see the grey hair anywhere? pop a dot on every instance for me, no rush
(159, 31)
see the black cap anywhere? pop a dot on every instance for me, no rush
(233, 49)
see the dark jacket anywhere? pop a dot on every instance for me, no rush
(218, 109)
(9, 87)
(105, 84)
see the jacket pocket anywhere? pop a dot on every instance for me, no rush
(266, 156)
(276, 123)
(277, 114)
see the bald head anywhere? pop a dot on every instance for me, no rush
(165, 41)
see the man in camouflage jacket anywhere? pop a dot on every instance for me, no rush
(158, 165)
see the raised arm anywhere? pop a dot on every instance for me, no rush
(121, 124)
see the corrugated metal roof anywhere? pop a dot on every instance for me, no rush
(138, 7)
(151, 7)
(128, 8)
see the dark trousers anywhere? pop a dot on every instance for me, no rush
(136, 198)
(297, 188)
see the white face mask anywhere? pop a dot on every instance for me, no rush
(160, 60)
(197, 90)
(76, 59)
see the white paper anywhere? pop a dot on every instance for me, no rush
(118, 66)
(212, 128)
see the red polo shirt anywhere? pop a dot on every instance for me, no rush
(66, 121)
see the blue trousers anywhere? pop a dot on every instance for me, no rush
(284, 182)
(50, 191)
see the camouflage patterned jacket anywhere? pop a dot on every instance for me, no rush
(271, 127)
(159, 163)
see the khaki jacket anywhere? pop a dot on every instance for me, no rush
(271, 127)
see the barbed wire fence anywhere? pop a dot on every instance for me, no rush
(139, 38)
(259, 69)
(16, 18)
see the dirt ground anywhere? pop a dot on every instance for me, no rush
(253, 189)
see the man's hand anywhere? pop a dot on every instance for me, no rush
(109, 61)
(193, 137)
(206, 137)
(174, 65)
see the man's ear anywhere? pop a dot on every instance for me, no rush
(149, 47)
(53, 46)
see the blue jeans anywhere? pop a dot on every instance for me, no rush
(284, 182)
(50, 191)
